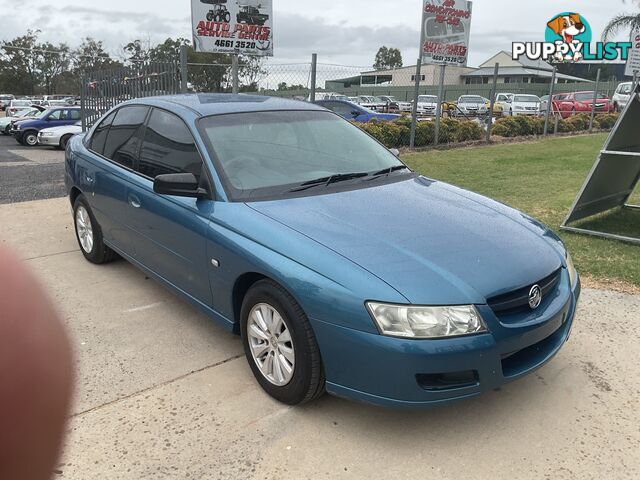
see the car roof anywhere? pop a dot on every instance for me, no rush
(206, 104)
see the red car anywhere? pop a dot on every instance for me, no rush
(568, 104)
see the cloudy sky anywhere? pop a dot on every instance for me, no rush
(345, 32)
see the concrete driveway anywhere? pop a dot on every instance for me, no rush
(164, 393)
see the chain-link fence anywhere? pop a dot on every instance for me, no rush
(437, 105)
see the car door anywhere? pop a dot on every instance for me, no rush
(114, 146)
(169, 232)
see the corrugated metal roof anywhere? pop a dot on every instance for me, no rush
(521, 71)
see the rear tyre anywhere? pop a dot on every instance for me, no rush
(89, 234)
(30, 138)
(280, 345)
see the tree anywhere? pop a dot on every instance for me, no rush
(283, 87)
(91, 56)
(18, 63)
(52, 61)
(388, 58)
(626, 21)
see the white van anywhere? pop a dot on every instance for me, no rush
(621, 96)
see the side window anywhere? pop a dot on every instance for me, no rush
(168, 147)
(56, 115)
(74, 114)
(99, 136)
(125, 134)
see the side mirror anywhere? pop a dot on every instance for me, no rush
(395, 151)
(179, 185)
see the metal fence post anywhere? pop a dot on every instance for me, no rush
(549, 102)
(184, 74)
(235, 65)
(314, 76)
(595, 99)
(436, 138)
(492, 100)
(83, 102)
(414, 110)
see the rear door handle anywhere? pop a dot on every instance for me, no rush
(134, 201)
(90, 180)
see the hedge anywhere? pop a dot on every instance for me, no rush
(521, 125)
(397, 133)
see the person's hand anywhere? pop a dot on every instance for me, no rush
(35, 375)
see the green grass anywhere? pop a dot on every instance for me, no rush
(542, 178)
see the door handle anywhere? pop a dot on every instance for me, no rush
(89, 179)
(134, 201)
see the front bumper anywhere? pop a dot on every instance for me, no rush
(403, 373)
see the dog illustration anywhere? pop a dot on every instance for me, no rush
(568, 27)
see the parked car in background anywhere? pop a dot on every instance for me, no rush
(372, 103)
(330, 96)
(427, 105)
(621, 96)
(471, 106)
(504, 99)
(341, 269)
(26, 131)
(16, 105)
(7, 122)
(498, 109)
(569, 104)
(353, 112)
(5, 99)
(525, 105)
(58, 136)
(394, 105)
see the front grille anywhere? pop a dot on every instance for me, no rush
(518, 300)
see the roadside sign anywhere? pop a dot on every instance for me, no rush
(446, 25)
(233, 26)
(633, 61)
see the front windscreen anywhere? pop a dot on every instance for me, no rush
(526, 99)
(271, 154)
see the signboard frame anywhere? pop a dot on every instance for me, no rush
(447, 18)
(614, 176)
(240, 27)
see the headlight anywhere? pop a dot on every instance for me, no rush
(426, 322)
(573, 273)
(17, 127)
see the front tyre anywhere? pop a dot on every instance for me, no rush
(280, 345)
(30, 138)
(89, 234)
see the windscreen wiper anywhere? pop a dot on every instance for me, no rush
(326, 181)
(389, 170)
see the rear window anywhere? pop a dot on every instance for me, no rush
(99, 136)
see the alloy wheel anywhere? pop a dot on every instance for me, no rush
(84, 229)
(271, 344)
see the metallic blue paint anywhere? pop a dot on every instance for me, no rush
(416, 241)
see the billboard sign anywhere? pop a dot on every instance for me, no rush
(446, 25)
(633, 61)
(233, 26)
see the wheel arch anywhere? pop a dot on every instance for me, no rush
(74, 193)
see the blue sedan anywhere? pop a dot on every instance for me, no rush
(343, 270)
(354, 112)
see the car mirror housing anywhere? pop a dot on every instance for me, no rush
(395, 151)
(179, 185)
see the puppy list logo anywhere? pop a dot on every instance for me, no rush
(568, 38)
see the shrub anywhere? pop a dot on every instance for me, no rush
(469, 131)
(608, 120)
